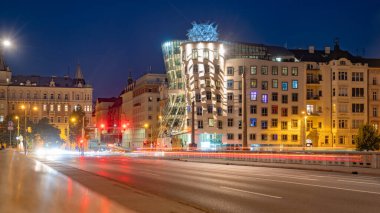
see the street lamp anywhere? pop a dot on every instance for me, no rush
(146, 126)
(305, 129)
(7, 43)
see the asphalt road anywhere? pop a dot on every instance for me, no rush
(229, 188)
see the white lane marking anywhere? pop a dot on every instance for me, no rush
(351, 181)
(255, 193)
(284, 176)
(320, 186)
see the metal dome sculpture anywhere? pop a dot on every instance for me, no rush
(203, 32)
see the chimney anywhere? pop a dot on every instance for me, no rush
(311, 49)
(327, 50)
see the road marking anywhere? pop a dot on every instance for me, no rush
(320, 186)
(255, 193)
(351, 181)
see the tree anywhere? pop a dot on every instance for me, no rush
(368, 139)
(47, 132)
(76, 123)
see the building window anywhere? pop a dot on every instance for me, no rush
(264, 111)
(66, 97)
(274, 137)
(294, 110)
(357, 108)
(374, 96)
(374, 81)
(209, 108)
(253, 122)
(274, 96)
(284, 86)
(45, 96)
(230, 136)
(195, 54)
(253, 109)
(274, 83)
(199, 111)
(218, 98)
(284, 71)
(284, 137)
(66, 108)
(274, 123)
(205, 53)
(295, 97)
(59, 107)
(208, 83)
(220, 124)
(195, 68)
(230, 96)
(264, 85)
(274, 70)
(264, 70)
(274, 109)
(208, 95)
(240, 136)
(240, 98)
(229, 109)
(264, 98)
(253, 70)
(264, 124)
(294, 137)
(240, 111)
(264, 137)
(374, 111)
(284, 125)
(358, 92)
(253, 96)
(241, 70)
(284, 99)
(294, 71)
(198, 97)
(343, 91)
(240, 124)
(219, 111)
(342, 124)
(51, 107)
(326, 139)
(357, 76)
(294, 84)
(342, 139)
(230, 71)
(230, 84)
(253, 83)
(294, 123)
(200, 124)
(230, 122)
(252, 137)
(357, 123)
(44, 107)
(211, 122)
(284, 112)
(58, 119)
(342, 76)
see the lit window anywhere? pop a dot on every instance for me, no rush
(51, 107)
(284, 86)
(274, 83)
(66, 108)
(295, 84)
(253, 122)
(58, 107)
(44, 107)
(230, 84)
(253, 70)
(294, 71)
(284, 71)
(264, 98)
(253, 96)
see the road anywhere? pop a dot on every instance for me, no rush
(229, 188)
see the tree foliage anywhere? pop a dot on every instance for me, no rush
(47, 132)
(76, 124)
(368, 139)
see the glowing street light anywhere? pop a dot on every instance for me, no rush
(7, 43)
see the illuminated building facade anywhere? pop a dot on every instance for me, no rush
(296, 97)
(40, 97)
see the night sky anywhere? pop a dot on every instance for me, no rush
(112, 38)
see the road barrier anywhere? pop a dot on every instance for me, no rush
(348, 159)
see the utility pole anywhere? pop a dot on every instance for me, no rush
(192, 125)
(244, 113)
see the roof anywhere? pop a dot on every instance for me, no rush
(43, 81)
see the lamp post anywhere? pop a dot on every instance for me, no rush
(305, 129)
(18, 125)
(151, 130)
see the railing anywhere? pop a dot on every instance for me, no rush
(347, 159)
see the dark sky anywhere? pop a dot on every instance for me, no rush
(112, 38)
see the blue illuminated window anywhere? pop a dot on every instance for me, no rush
(295, 84)
(230, 84)
(264, 98)
(253, 122)
(253, 96)
(284, 86)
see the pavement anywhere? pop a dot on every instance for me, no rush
(326, 168)
(225, 188)
(29, 185)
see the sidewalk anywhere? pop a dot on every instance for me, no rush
(27, 185)
(341, 169)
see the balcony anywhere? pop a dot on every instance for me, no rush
(312, 81)
(312, 97)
